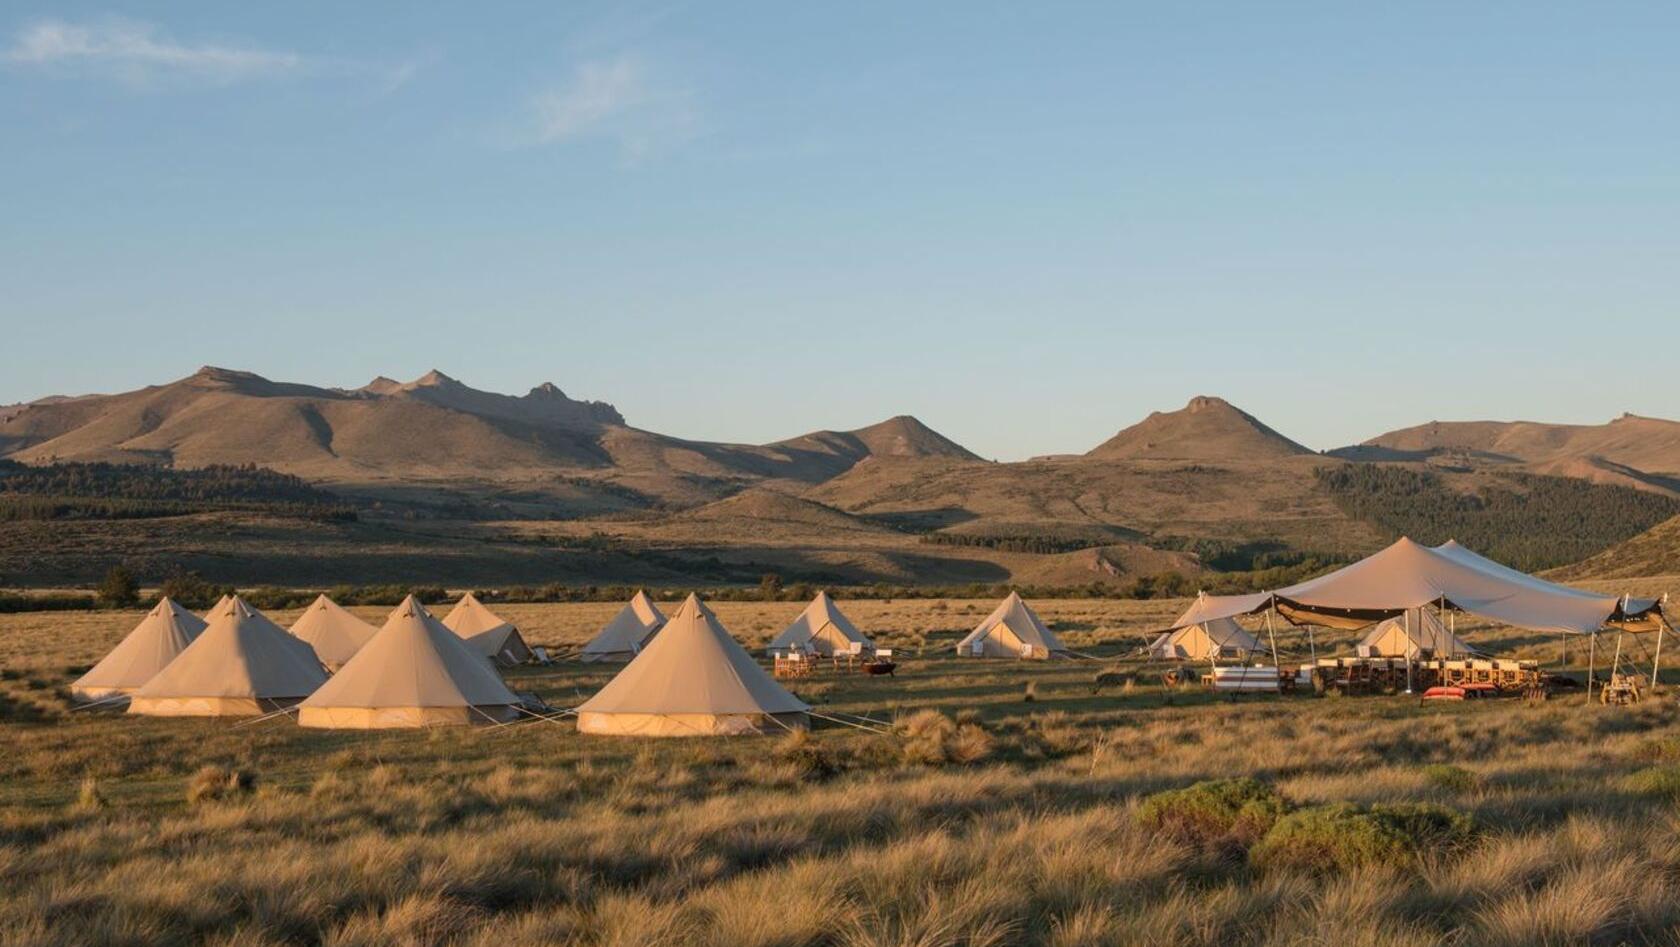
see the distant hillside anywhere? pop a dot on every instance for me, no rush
(435, 430)
(1653, 552)
(1630, 451)
(1205, 429)
(1528, 521)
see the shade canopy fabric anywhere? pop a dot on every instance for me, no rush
(1204, 640)
(242, 663)
(628, 632)
(822, 629)
(1408, 575)
(1409, 635)
(1012, 630)
(413, 673)
(335, 634)
(163, 634)
(693, 679)
(487, 632)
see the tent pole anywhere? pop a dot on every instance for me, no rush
(1656, 663)
(1311, 647)
(1276, 667)
(1406, 623)
(1616, 662)
(1592, 658)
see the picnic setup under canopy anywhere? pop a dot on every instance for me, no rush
(1412, 594)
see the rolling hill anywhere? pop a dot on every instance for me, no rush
(542, 479)
(1205, 429)
(1631, 450)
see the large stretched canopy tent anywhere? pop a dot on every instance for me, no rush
(823, 629)
(693, 679)
(628, 632)
(414, 673)
(1416, 634)
(1407, 576)
(242, 664)
(1204, 641)
(1012, 630)
(164, 633)
(335, 634)
(487, 633)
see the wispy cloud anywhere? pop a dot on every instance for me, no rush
(619, 99)
(140, 53)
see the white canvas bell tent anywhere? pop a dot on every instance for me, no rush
(1411, 635)
(487, 632)
(162, 635)
(1012, 630)
(242, 664)
(413, 673)
(628, 632)
(335, 634)
(824, 630)
(693, 679)
(1208, 641)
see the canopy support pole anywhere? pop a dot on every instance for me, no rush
(1276, 667)
(1406, 618)
(1592, 658)
(1311, 647)
(1656, 663)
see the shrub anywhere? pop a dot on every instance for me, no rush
(118, 589)
(1228, 814)
(1344, 836)
(1454, 778)
(212, 783)
(1655, 781)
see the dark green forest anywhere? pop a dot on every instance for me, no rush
(1526, 521)
(132, 491)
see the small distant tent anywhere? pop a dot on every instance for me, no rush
(488, 634)
(1208, 641)
(413, 673)
(693, 679)
(628, 632)
(822, 629)
(1410, 635)
(159, 637)
(1012, 630)
(335, 634)
(242, 664)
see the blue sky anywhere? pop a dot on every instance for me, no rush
(1028, 224)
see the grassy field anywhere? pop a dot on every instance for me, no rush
(1009, 806)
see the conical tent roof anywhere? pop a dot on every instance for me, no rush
(1410, 634)
(1215, 638)
(627, 633)
(242, 663)
(822, 628)
(219, 608)
(692, 679)
(1011, 630)
(487, 632)
(159, 637)
(414, 672)
(335, 634)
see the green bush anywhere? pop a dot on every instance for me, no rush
(1344, 836)
(1455, 778)
(1655, 781)
(1227, 814)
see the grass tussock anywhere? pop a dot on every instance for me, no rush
(219, 783)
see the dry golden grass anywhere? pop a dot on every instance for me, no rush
(984, 819)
